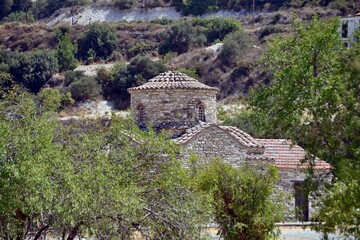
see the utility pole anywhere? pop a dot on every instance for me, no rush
(72, 11)
(253, 8)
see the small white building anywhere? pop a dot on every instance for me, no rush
(348, 27)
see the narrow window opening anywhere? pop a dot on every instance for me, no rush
(344, 30)
(201, 112)
(141, 113)
(301, 202)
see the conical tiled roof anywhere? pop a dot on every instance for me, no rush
(173, 80)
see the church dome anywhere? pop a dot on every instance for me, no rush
(173, 100)
(173, 80)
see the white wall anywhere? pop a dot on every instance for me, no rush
(353, 24)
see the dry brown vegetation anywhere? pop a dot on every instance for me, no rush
(143, 38)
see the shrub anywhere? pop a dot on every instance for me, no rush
(199, 7)
(72, 76)
(67, 100)
(85, 88)
(235, 46)
(142, 69)
(7, 84)
(5, 8)
(124, 4)
(177, 38)
(34, 69)
(66, 54)
(218, 28)
(268, 30)
(139, 48)
(23, 17)
(190, 72)
(98, 42)
(241, 199)
(50, 99)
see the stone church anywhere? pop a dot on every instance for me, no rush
(186, 108)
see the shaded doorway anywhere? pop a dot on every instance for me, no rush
(301, 202)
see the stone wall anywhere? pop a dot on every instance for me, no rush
(214, 142)
(173, 106)
(288, 177)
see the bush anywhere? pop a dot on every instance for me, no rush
(85, 88)
(7, 84)
(124, 4)
(218, 28)
(235, 46)
(139, 48)
(66, 54)
(114, 84)
(50, 99)
(23, 17)
(268, 30)
(34, 69)
(242, 199)
(142, 69)
(98, 42)
(199, 7)
(72, 76)
(177, 38)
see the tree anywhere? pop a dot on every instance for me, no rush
(5, 7)
(314, 100)
(177, 38)
(50, 99)
(114, 84)
(66, 53)
(7, 84)
(242, 199)
(83, 178)
(98, 42)
(218, 28)
(21, 5)
(39, 8)
(236, 45)
(199, 7)
(32, 70)
(84, 88)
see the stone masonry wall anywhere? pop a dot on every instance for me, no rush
(214, 142)
(286, 187)
(174, 106)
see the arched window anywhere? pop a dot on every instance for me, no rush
(141, 113)
(200, 108)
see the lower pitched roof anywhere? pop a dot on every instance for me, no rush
(290, 156)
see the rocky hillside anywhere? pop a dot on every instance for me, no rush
(221, 48)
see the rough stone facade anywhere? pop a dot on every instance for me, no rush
(173, 107)
(186, 108)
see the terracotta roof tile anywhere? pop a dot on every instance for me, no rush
(173, 80)
(288, 155)
(244, 138)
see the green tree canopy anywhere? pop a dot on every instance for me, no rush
(5, 7)
(98, 42)
(242, 199)
(84, 178)
(177, 38)
(33, 69)
(314, 99)
(66, 53)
